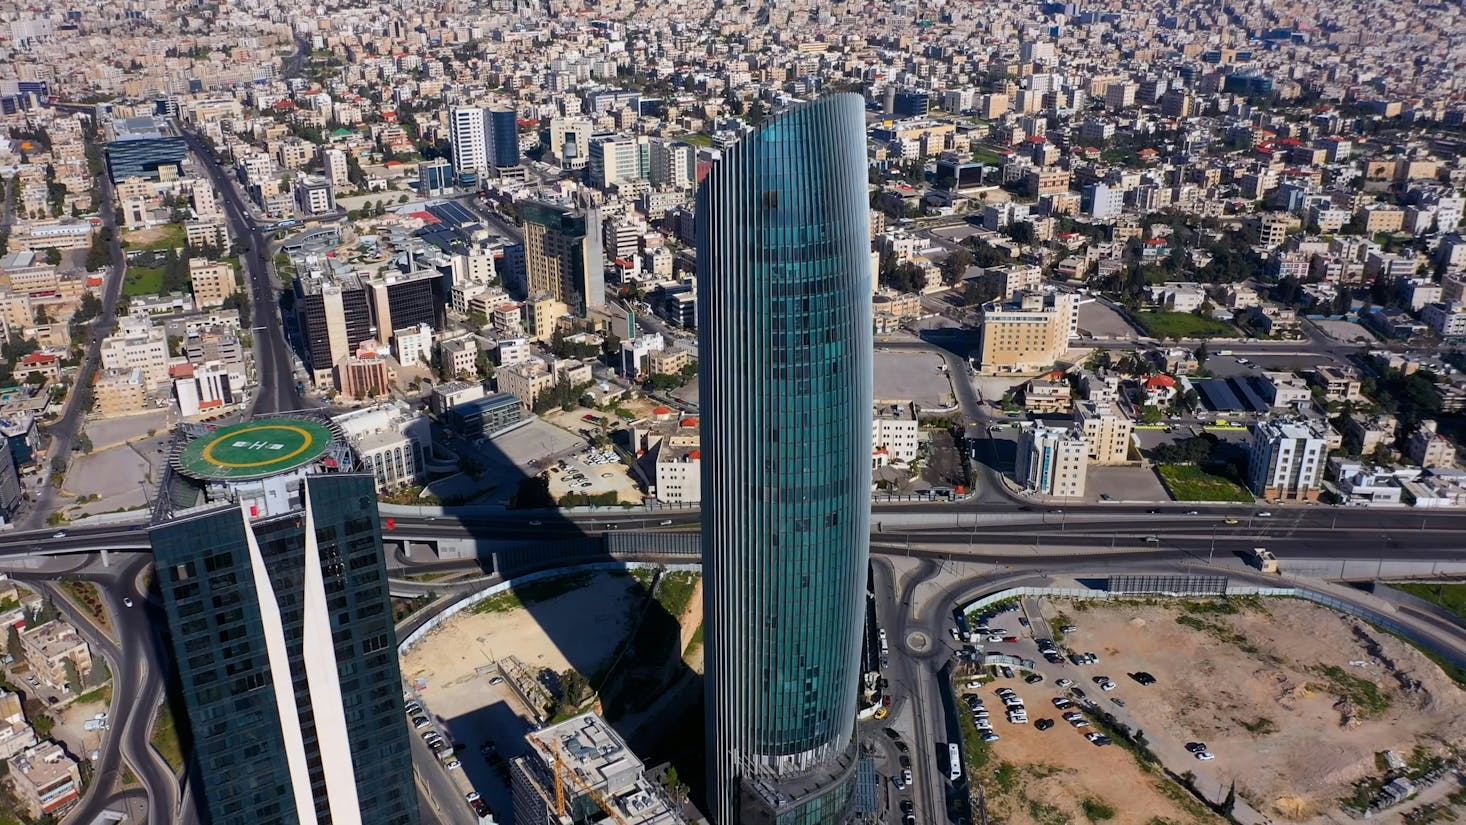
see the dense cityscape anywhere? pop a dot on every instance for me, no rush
(601, 412)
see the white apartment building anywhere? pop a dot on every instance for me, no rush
(1288, 459)
(1053, 461)
(466, 134)
(137, 344)
(203, 387)
(895, 435)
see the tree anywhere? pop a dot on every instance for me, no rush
(573, 690)
(53, 255)
(12, 643)
(955, 265)
(83, 443)
(89, 308)
(1202, 353)
(45, 613)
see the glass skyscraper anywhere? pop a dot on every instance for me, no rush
(281, 626)
(783, 266)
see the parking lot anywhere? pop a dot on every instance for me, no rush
(902, 375)
(1287, 698)
(593, 472)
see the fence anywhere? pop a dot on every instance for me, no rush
(1354, 609)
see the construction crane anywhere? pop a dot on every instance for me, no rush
(561, 770)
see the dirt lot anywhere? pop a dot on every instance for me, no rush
(1294, 699)
(1056, 776)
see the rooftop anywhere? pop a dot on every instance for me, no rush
(254, 449)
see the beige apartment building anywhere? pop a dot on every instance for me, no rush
(1026, 335)
(45, 779)
(138, 345)
(50, 646)
(1429, 448)
(213, 281)
(525, 381)
(1107, 434)
(669, 361)
(120, 392)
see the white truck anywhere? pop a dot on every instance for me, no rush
(1264, 560)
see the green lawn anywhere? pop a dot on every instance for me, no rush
(696, 139)
(142, 280)
(1184, 325)
(165, 738)
(1188, 482)
(1452, 597)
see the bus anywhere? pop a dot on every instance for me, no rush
(954, 755)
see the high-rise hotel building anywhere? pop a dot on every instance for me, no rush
(783, 256)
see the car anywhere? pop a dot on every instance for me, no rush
(990, 737)
(1093, 735)
(1061, 703)
(1033, 678)
(536, 523)
(1195, 747)
(995, 638)
(1077, 692)
(907, 806)
(1023, 621)
(1079, 723)
(1242, 361)
(1205, 755)
(1006, 671)
(1152, 540)
(1231, 521)
(1143, 678)
(413, 709)
(905, 761)
(902, 747)
(1118, 701)
(892, 733)
(1010, 639)
(899, 781)
(664, 522)
(496, 680)
(471, 796)
(1263, 514)
(1054, 658)
(908, 819)
(59, 534)
(1193, 512)
(452, 764)
(1153, 510)
(1069, 628)
(1065, 683)
(127, 601)
(886, 701)
(420, 721)
(1099, 680)
(1106, 497)
(1107, 685)
(1043, 724)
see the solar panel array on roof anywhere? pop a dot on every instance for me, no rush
(1231, 394)
(451, 212)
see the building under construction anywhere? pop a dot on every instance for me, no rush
(580, 771)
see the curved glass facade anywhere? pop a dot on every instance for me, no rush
(784, 289)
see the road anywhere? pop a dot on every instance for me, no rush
(137, 687)
(275, 364)
(65, 429)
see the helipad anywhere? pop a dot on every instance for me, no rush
(254, 449)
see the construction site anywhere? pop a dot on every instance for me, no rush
(581, 771)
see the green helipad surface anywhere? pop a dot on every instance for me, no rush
(253, 449)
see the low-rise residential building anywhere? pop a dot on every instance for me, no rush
(679, 473)
(895, 435)
(1339, 384)
(45, 779)
(1284, 389)
(213, 281)
(1428, 448)
(1047, 395)
(137, 344)
(1287, 459)
(526, 381)
(120, 392)
(49, 647)
(669, 361)
(201, 388)
(1053, 461)
(452, 393)
(1448, 320)
(1275, 320)
(15, 733)
(1366, 433)
(1178, 296)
